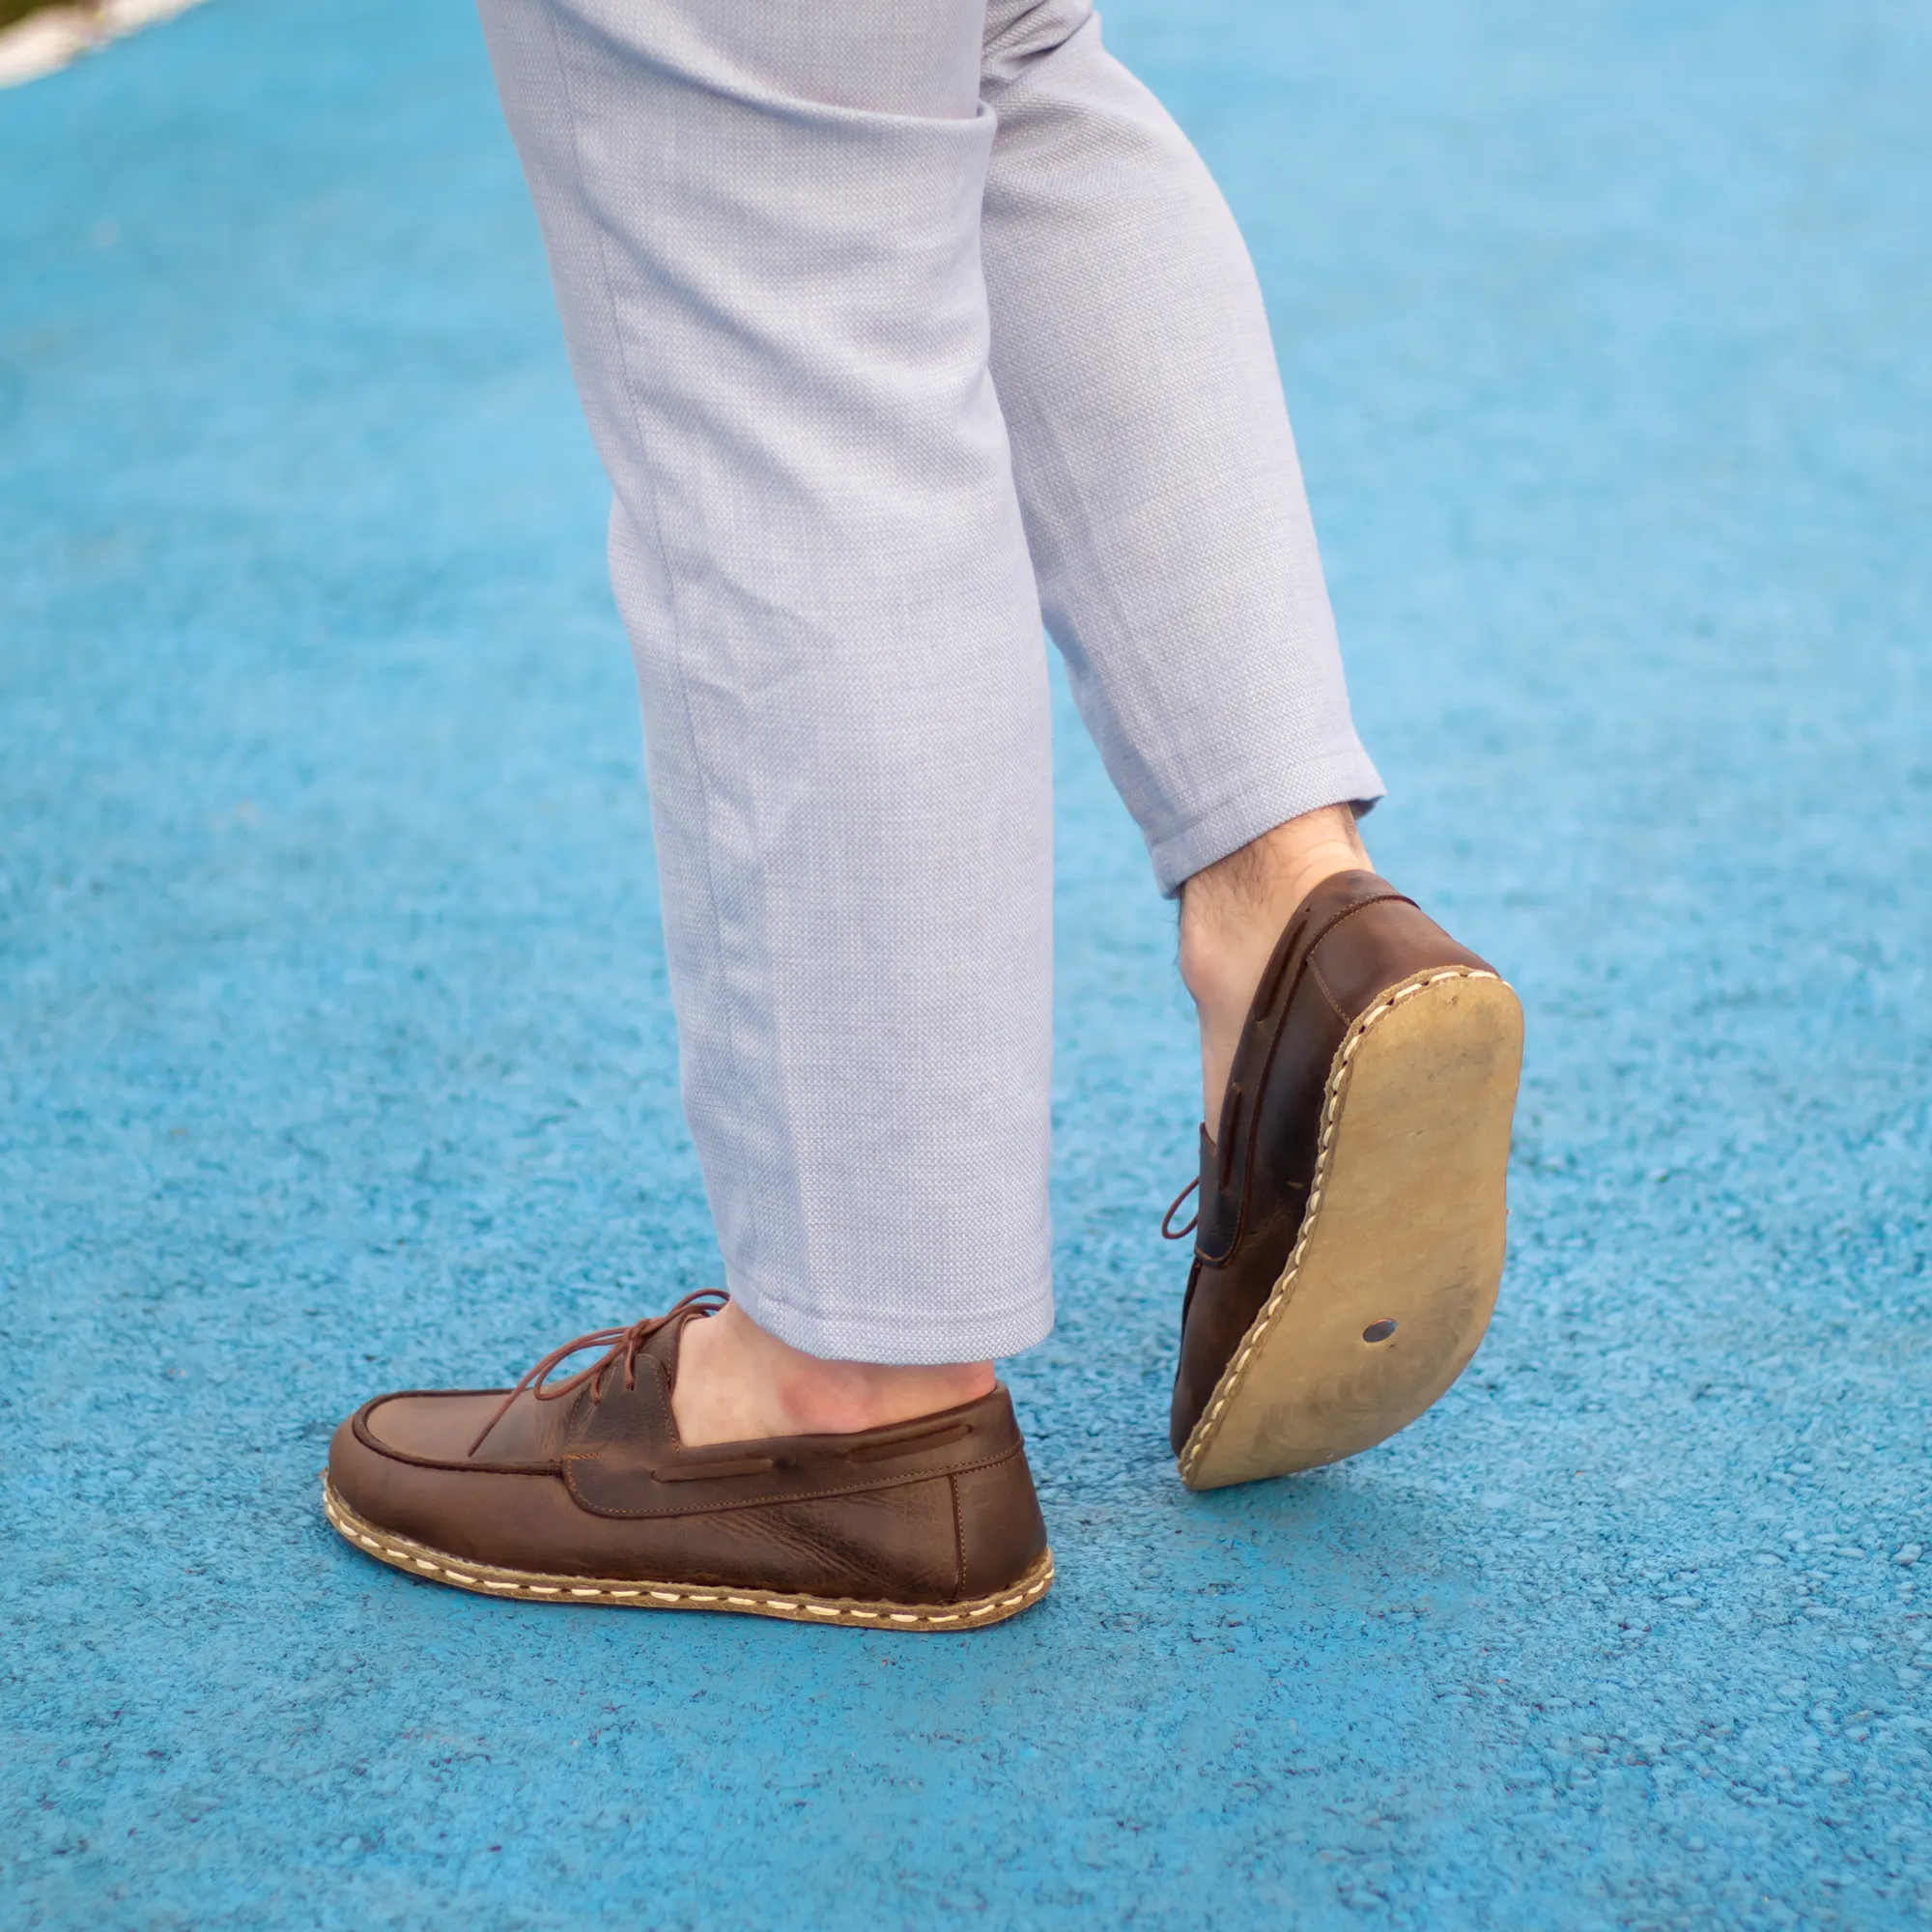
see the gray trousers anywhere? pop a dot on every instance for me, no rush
(901, 326)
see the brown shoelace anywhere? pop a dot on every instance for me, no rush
(621, 1342)
(1168, 1232)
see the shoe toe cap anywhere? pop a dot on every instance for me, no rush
(443, 1426)
(403, 1462)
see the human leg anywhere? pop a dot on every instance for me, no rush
(1359, 1067)
(763, 229)
(1157, 470)
(1176, 556)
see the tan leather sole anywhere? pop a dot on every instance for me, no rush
(1394, 1275)
(628, 1593)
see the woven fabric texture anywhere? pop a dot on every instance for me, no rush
(899, 325)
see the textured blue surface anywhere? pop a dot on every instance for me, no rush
(336, 1055)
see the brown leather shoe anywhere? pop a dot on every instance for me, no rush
(581, 1493)
(1350, 1236)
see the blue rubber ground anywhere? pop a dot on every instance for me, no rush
(336, 1055)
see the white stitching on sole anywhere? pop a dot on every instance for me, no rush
(409, 1558)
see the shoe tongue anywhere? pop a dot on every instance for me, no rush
(659, 1355)
(641, 1415)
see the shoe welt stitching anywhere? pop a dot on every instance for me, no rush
(1209, 1426)
(345, 1523)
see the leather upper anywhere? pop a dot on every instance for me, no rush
(1350, 940)
(599, 1484)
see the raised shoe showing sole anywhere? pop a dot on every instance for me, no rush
(1393, 1275)
(1351, 1227)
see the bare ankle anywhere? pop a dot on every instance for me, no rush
(1232, 915)
(738, 1383)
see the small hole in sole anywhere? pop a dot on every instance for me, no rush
(1380, 1332)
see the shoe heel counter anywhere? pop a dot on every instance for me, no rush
(1001, 1531)
(1385, 943)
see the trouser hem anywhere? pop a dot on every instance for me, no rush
(923, 1340)
(1346, 778)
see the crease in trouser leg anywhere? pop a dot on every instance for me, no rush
(777, 318)
(1162, 495)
